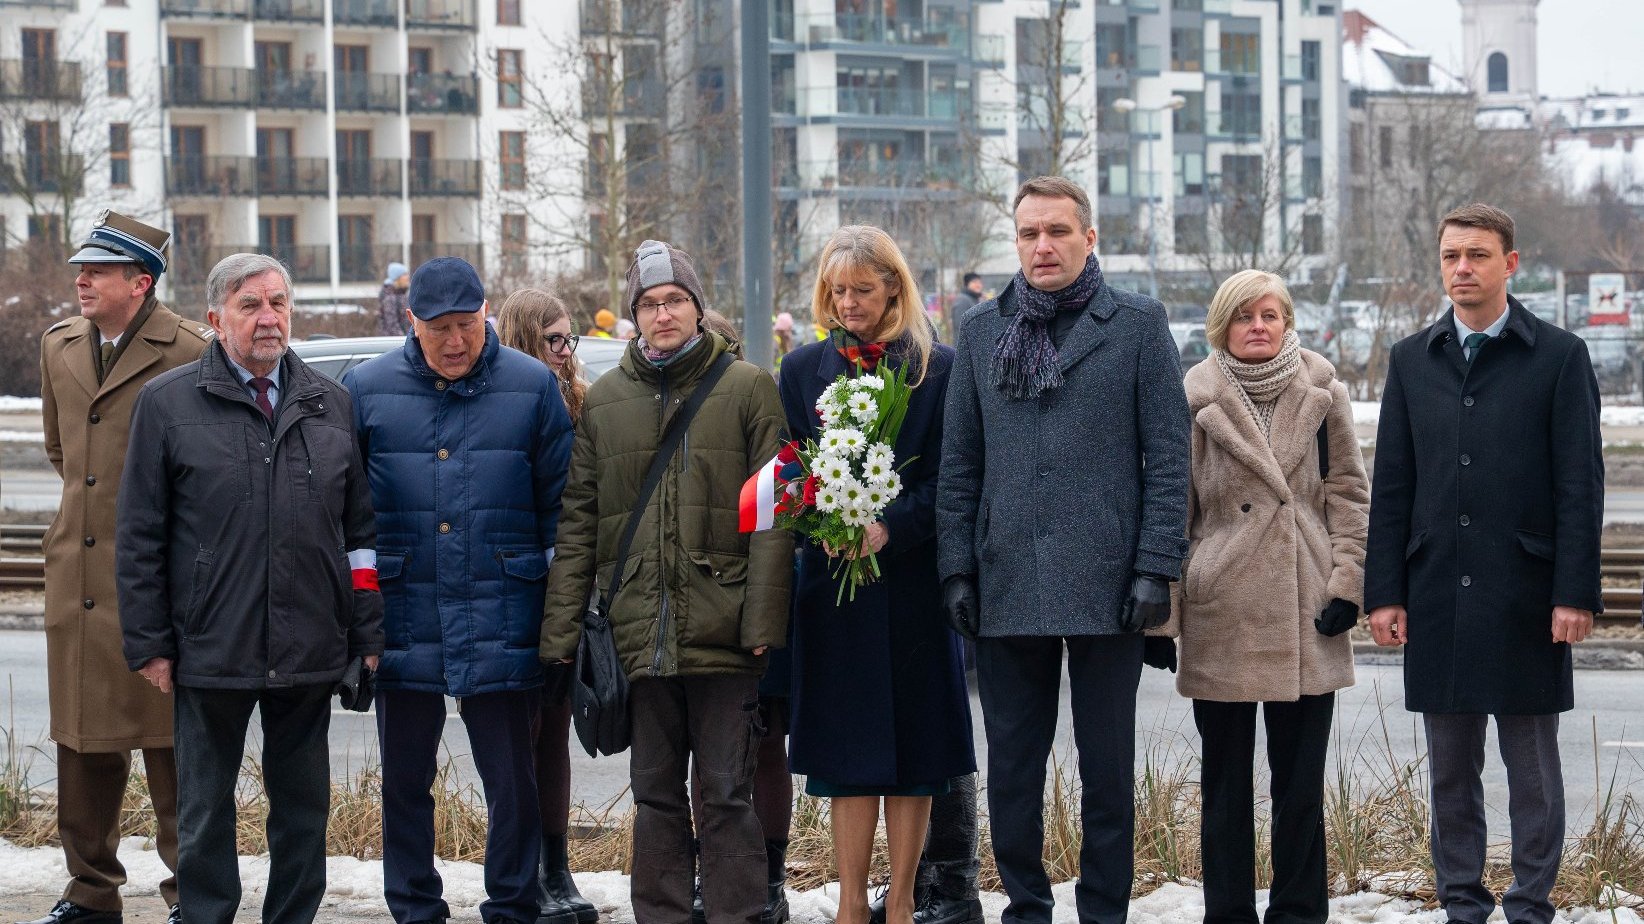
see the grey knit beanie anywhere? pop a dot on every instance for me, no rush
(659, 263)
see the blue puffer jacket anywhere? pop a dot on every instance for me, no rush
(465, 478)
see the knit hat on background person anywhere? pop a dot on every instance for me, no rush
(395, 271)
(444, 285)
(783, 323)
(624, 328)
(658, 263)
(115, 238)
(604, 319)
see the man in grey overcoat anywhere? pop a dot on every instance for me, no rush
(1483, 557)
(1061, 517)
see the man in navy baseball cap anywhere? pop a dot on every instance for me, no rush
(448, 307)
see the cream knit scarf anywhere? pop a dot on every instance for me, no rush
(1259, 384)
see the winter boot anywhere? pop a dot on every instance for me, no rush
(776, 900)
(561, 902)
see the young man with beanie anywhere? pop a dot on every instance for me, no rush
(91, 369)
(699, 603)
(466, 444)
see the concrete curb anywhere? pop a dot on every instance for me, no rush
(1611, 654)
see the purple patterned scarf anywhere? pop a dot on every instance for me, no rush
(1025, 364)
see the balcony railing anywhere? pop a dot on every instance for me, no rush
(909, 174)
(293, 176)
(200, 85)
(383, 14)
(307, 262)
(356, 92)
(423, 251)
(211, 176)
(191, 263)
(889, 102)
(40, 79)
(289, 10)
(365, 262)
(290, 90)
(445, 177)
(209, 9)
(43, 173)
(874, 29)
(368, 176)
(69, 5)
(437, 15)
(639, 98)
(442, 93)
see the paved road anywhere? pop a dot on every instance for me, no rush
(1608, 708)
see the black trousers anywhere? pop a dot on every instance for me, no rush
(211, 727)
(949, 863)
(409, 724)
(711, 721)
(1019, 679)
(1298, 735)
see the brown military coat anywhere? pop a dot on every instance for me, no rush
(97, 703)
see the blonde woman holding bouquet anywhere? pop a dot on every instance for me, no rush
(880, 713)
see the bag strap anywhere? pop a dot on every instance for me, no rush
(671, 438)
(1324, 451)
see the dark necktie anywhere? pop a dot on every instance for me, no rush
(106, 354)
(263, 385)
(1471, 344)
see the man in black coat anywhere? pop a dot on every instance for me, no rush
(1483, 555)
(247, 576)
(1061, 516)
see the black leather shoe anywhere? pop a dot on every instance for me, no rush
(175, 916)
(939, 909)
(67, 912)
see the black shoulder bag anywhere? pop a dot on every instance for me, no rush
(599, 685)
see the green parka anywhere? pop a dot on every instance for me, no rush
(697, 595)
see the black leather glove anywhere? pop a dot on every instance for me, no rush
(1160, 652)
(1339, 616)
(960, 604)
(1148, 606)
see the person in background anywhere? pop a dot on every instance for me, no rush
(391, 316)
(625, 329)
(604, 325)
(538, 324)
(466, 444)
(1280, 503)
(245, 556)
(880, 711)
(782, 329)
(701, 602)
(91, 369)
(1483, 561)
(970, 295)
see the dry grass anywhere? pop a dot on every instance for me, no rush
(1373, 828)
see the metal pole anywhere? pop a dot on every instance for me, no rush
(757, 226)
(1152, 218)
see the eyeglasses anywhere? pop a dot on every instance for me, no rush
(557, 343)
(675, 303)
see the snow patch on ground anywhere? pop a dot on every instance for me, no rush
(22, 436)
(354, 887)
(1621, 415)
(11, 404)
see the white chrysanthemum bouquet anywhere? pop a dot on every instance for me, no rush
(839, 483)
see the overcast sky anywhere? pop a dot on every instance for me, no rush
(1584, 44)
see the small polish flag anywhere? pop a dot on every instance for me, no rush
(760, 494)
(363, 565)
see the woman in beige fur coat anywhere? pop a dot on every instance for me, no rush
(1277, 516)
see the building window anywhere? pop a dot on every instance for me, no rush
(1112, 46)
(1241, 174)
(512, 147)
(1312, 234)
(1113, 172)
(1355, 147)
(1310, 61)
(1313, 177)
(508, 12)
(1192, 234)
(710, 89)
(1190, 174)
(510, 78)
(513, 242)
(119, 153)
(48, 228)
(1189, 120)
(1497, 67)
(1310, 120)
(117, 64)
(1384, 143)
(1186, 49)
(1241, 112)
(1241, 53)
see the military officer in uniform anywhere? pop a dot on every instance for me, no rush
(91, 368)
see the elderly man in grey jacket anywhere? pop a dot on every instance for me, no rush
(1061, 513)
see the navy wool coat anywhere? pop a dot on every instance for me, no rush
(1054, 502)
(465, 478)
(1485, 513)
(879, 694)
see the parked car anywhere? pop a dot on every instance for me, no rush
(336, 355)
(1195, 348)
(1612, 350)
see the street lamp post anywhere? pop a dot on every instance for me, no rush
(1127, 105)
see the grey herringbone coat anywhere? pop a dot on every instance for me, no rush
(1047, 501)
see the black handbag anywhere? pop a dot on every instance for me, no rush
(599, 685)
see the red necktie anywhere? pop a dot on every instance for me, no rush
(263, 385)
